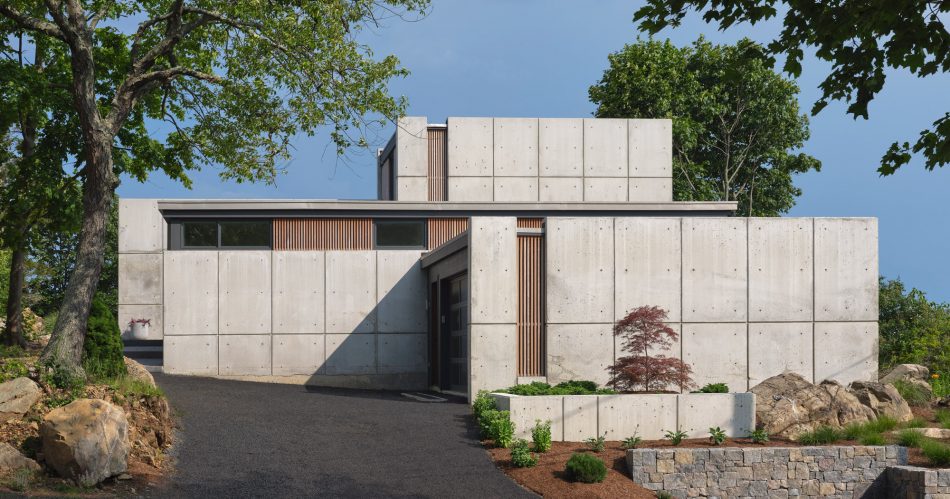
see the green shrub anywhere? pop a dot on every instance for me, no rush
(943, 417)
(714, 388)
(676, 437)
(102, 350)
(530, 389)
(597, 444)
(717, 436)
(916, 423)
(914, 394)
(910, 438)
(759, 436)
(940, 385)
(664, 495)
(821, 436)
(483, 402)
(936, 452)
(497, 426)
(872, 439)
(12, 369)
(882, 424)
(541, 435)
(521, 455)
(135, 388)
(631, 442)
(59, 377)
(586, 468)
(576, 387)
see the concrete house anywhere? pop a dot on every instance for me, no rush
(499, 250)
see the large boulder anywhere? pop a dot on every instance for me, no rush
(883, 399)
(138, 372)
(87, 440)
(914, 374)
(788, 405)
(11, 459)
(17, 396)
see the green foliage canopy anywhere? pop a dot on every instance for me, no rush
(913, 329)
(861, 40)
(736, 123)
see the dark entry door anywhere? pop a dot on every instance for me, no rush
(454, 333)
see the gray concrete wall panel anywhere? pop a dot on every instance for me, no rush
(140, 278)
(777, 347)
(651, 148)
(401, 292)
(298, 354)
(244, 293)
(648, 264)
(412, 147)
(580, 270)
(605, 190)
(605, 147)
(493, 361)
(141, 226)
(470, 189)
(191, 294)
(516, 189)
(579, 351)
(714, 270)
(493, 261)
(717, 353)
(470, 147)
(151, 312)
(351, 292)
(734, 413)
(846, 269)
(650, 190)
(516, 147)
(402, 353)
(195, 355)
(244, 355)
(412, 189)
(561, 147)
(298, 294)
(780, 269)
(648, 416)
(580, 417)
(351, 354)
(561, 189)
(846, 351)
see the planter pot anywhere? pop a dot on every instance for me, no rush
(139, 331)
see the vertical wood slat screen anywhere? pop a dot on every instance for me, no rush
(438, 164)
(441, 230)
(323, 234)
(530, 223)
(531, 332)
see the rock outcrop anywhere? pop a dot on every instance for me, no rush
(912, 373)
(788, 405)
(883, 399)
(11, 459)
(86, 440)
(17, 396)
(137, 371)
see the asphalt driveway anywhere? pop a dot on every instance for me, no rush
(242, 439)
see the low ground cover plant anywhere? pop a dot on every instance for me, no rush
(675, 437)
(521, 455)
(714, 388)
(597, 444)
(717, 436)
(541, 436)
(943, 417)
(586, 468)
(822, 435)
(937, 452)
(910, 438)
(759, 436)
(573, 387)
(914, 394)
(632, 441)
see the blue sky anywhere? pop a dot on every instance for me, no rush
(538, 58)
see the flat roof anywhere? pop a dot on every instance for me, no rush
(299, 207)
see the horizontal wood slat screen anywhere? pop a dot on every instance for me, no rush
(531, 331)
(441, 230)
(437, 164)
(530, 223)
(323, 234)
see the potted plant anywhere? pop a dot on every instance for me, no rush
(139, 328)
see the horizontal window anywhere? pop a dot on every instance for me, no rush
(199, 234)
(400, 234)
(213, 234)
(245, 234)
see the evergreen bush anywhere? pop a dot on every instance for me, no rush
(102, 351)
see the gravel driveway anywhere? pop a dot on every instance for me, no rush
(242, 439)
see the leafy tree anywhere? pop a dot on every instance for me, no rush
(644, 332)
(235, 81)
(913, 329)
(735, 120)
(861, 40)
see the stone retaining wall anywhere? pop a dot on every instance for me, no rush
(911, 481)
(774, 472)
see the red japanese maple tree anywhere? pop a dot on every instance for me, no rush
(644, 332)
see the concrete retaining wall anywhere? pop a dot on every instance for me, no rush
(575, 418)
(844, 472)
(752, 297)
(546, 160)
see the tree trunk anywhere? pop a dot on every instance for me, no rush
(14, 328)
(64, 350)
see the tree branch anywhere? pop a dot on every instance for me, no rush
(101, 13)
(31, 23)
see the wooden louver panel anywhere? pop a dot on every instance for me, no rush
(530, 223)
(531, 330)
(437, 164)
(441, 230)
(323, 234)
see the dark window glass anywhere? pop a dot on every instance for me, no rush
(200, 234)
(251, 233)
(400, 233)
